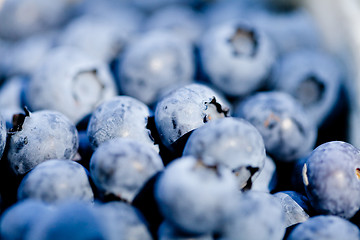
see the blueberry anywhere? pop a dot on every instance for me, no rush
(219, 12)
(39, 136)
(11, 92)
(293, 211)
(3, 135)
(100, 38)
(70, 82)
(70, 220)
(301, 199)
(258, 216)
(21, 217)
(122, 14)
(237, 57)
(267, 179)
(288, 132)
(121, 116)
(186, 109)
(151, 5)
(23, 18)
(25, 56)
(313, 77)
(121, 166)
(169, 232)
(153, 62)
(288, 30)
(233, 142)
(181, 20)
(331, 176)
(121, 221)
(56, 181)
(325, 228)
(12, 98)
(196, 198)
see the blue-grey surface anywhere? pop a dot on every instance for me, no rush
(311, 76)
(3, 135)
(300, 199)
(293, 211)
(258, 216)
(237, 57)
(23, 18)
(186, 109)
(288, 30)
(331, 176)
(56, 181)
(18, 219)
(288, 132)
(153, 62)
(43, 135)
(267, 179)
(123, 14)
(120, 116)
(70, 82)
(194, 197)
(25, 56)
(181, 20)
(325, 228)
(101, 38)
(233, 142)
(167, 231)
(151, 5)
(122, 221)
(121, 166)
(73, 220)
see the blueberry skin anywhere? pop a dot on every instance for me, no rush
(301, 199)
(313, 77)
(181, 20)
(121, 167)
(70, 82)
(267, 179)
(23, 18)
(41, 136)
(325, 228)
(258, 216)
(100, 38)
(186, 109)
(219, 12)
(288, 30)
(3, 135)
(233, 142)
(18, 219)
(11, 92)
(153, 62)
(237, 57)
(75, 220)
(121, 221)
(288, 132)
(293, 211)
(196, 198)
(56, 181)
(23, 57)
(169, 232)
(123, 14)
(120, 116)
(331, 177)
(151, 5)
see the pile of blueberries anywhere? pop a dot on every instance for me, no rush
(172, 119)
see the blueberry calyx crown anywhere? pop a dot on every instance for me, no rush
(18, 121)
(219, 109)
(244, 42)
